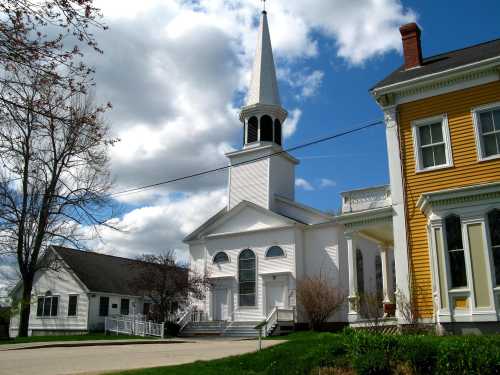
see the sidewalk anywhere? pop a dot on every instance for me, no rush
(72, 344)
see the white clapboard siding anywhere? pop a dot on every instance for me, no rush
(281, 177)
(60, 283)
(250, 182)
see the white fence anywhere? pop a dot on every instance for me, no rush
(133, 326)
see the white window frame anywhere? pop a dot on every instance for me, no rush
(477, 130)
(50, 316)
(76, 306)
(446, 139)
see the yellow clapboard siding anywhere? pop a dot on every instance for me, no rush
(466, 170)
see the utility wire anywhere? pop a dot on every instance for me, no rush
(294, 148)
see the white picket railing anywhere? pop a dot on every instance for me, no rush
(133, 326)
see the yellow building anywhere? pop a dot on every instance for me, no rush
(442, 118)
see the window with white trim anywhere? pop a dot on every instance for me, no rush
(494, 228)
(432, 143)
(221, 257)
(487, 122)
(456, 252)
(72, 305)
(47, 305)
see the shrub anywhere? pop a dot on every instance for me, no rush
(172, 329)
(453, 355)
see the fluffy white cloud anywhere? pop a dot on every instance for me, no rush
(303, 184)
(160, 226)
(326, 183)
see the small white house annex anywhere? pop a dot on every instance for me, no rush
(77, 295)
(258, 247)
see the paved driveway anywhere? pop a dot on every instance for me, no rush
(98, 359)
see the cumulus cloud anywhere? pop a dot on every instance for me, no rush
(160, 226)
(326, 183)
(303, 184)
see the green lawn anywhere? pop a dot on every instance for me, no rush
(90, 336)
(302, 353)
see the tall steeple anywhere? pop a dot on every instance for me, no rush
(262, 170)
(263, 114)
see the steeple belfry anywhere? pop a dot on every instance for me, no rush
(263, 114)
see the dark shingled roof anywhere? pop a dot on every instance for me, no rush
(102, 273)
(444, 61)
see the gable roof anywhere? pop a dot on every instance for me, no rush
(224, 215)
(100, 272)
(443, 62)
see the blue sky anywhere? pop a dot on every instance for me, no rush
(343, 100)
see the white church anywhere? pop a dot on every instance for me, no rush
(257, 248)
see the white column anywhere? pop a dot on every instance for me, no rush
(402, 288)
(353, 277)
(384, 256)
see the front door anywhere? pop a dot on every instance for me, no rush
(275, 295)
(220, 304)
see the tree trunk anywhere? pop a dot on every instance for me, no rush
(24, 314)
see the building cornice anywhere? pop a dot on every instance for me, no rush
(367, 217)
(438, 83)
(463, 195)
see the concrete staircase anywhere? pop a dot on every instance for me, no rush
(203, 329)
(241, 329)
(223, 329)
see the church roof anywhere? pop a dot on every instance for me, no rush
(264, 85)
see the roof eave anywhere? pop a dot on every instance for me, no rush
(479, 65)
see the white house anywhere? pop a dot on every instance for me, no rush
(77, 295)
(258, 247)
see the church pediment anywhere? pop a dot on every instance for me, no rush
(245, 217)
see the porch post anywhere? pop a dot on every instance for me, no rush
(353, 277)
(384, 256)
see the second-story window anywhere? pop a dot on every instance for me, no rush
(432, 143)
(487, 122)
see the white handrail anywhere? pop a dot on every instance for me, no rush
(130, 326)
(185, 318)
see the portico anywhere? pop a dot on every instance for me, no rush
(367, 214)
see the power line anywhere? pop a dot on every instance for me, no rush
(294, 148)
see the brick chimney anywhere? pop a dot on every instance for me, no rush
(412, 50)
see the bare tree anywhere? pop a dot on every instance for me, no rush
(168, 284)
(54, 175)
(371, 310)
(319, 299)
(45, 37)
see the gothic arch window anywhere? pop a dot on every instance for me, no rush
(456, 253)
(494, 229)
(277, 132)
(221, 257)
(360, 271)
(266, 128)
(252, 129)
(275, 252)
(247, 278)
(378, 277)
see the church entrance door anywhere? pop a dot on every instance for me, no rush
(275, 295)
(220, 304)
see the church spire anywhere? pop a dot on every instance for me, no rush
(263, 115)
(264, 86)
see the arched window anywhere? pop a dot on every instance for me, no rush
(252, 129)
(246, 278)
(277, 131)
(274, 252)
(456, 254)
(378, 277)
(494, 226)
(221, 257)
(360, 271)
(266, 128)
